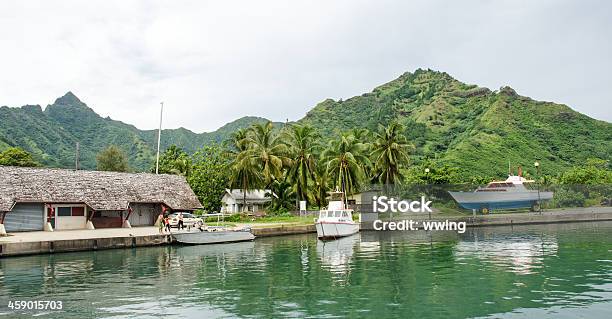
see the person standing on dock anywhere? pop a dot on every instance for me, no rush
(180, 221)
(167, 223)
(160, 224)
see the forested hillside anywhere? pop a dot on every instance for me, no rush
(51, 135)
(469, 127)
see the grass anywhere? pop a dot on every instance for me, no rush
(284, 219)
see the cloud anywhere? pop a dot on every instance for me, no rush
(212, 62)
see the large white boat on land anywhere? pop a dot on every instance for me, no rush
(337, 220)
(507, 194)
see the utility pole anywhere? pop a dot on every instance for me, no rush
(76, 157)
(161, 113)
(537, 166)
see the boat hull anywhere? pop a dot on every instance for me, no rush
(205, 237)
(332, 230)
(499, 200)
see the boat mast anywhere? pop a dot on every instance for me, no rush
(161, 112)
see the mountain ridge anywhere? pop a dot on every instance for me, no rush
(464, 125)
(51, 134)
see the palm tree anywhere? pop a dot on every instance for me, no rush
(345, 158)
(174, 161)
(267, 151)
(245, 174)
(363, 136)
(390, 153)
(237, 142)
(301, 141)
(282, 196)
(321, 184)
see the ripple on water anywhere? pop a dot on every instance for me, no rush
(496, 272)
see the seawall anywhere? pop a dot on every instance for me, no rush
(34, 243)
(70, 245)
(558, 216)
(86, 240)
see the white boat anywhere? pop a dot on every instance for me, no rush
(213, 236)
(507, 194)
(337, 220)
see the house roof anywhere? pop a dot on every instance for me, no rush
(99, 190)
(252, 196)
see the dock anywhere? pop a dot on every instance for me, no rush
(41, 242)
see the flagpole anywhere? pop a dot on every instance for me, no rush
(161, 112)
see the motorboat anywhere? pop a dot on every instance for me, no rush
(508, 194)
(336, 220)
(213, 235)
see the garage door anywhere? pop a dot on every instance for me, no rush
(143, 215)
(25, 217)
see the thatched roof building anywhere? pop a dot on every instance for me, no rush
(101, 191)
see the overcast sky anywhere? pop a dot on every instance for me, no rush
(212, 62)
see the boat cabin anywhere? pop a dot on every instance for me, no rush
(509, 184)
(336, 214)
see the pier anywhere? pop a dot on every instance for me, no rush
(42, 242)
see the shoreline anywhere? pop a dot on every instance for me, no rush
(34, 243)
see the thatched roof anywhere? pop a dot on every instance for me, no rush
(99, 190)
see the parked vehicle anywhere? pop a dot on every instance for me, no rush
(189, 220)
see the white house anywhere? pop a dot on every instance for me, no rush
(233, 200)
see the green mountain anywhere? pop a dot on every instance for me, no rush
(51, 135)
(470, 127)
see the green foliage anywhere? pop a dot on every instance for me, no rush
(174, 161)
(461, 133)
(431, 172)
(469, 127)
(321, 185)
(302, 143)
(465, 126)
(390, 153)
(235, 218)
(112, 159)
(209, 176)
(51, 135)
(346, 157)
(283, 199)
(267, 151)
(595, 172)
(567, 197)
(15, 156)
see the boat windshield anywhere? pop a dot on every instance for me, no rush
(500, 184)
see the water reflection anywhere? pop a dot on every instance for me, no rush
(484, 272)
(335, 255)
(521, 254)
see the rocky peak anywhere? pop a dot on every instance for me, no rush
(69, 99)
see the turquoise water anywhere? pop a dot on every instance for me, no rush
(540, 271)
